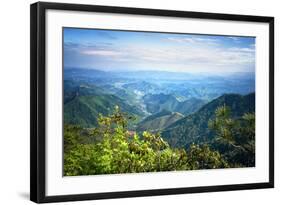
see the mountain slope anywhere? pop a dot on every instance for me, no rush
(159, 121)
(190, 106)
(87, 103)
(194, 128)
(159, 102)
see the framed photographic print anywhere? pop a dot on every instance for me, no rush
(129, 102)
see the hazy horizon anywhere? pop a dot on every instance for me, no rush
(162, 71)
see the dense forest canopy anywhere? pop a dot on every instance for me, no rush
(110, 148)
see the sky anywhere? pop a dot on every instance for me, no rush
(110, 50)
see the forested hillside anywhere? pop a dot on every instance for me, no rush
(83, 105)
(194, 128)
(159, 121)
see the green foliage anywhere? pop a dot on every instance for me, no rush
(204, 158)
(114, 149)
(72, 136)
(194, 128)
(235, 136)
(223, 124)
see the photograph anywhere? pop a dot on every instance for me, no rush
(147, 101)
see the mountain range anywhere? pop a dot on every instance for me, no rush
(179, 106)
(194, 127)
(83, 105)
(158, 102)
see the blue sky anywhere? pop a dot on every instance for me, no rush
(111, 50)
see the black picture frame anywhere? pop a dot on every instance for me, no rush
(38, 97)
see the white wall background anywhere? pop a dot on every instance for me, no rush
(14, 100)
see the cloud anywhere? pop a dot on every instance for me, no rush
(194, 40)
(85, 46)
(175, 57)
(234, 38)
(242, 49)
(106, 34)
(109, 53)
(252, 45)
(186, 54)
